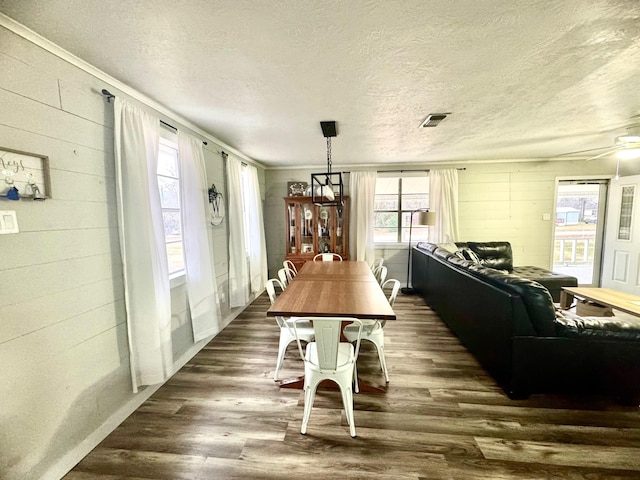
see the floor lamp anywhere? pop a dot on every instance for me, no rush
(425, 217)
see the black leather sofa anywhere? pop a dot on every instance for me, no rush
(510, 324)
(499, 255)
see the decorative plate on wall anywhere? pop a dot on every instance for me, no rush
(216, 206)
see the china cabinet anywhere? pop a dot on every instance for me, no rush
(313, 229)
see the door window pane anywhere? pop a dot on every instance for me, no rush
(626, 212)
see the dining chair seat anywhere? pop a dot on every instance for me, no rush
(373, 330)
(327, 358)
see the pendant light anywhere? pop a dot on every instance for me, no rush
(327, 187)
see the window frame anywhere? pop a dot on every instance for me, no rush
(399, 211)
(168, 140)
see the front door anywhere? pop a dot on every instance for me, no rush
(579, 229)
(621, 267)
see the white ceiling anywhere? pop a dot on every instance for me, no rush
(523, 79)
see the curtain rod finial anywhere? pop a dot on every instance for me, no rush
(108, 94)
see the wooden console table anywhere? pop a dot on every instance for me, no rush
(625, 302)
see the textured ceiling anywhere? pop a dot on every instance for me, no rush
(522, 79)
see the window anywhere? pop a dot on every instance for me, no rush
(169, 186)
(626, 212)
(396, 198)
(246, 188)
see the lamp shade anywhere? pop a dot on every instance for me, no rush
(426, 218)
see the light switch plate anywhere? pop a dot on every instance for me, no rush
(546, 216)
(8, 222)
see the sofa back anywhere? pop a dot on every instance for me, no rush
(496, 255)
(484, 317)
(535, 297)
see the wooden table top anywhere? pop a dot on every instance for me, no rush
(337, 270)
(331, 294)
(622, 301)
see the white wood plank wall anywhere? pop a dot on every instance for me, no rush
(507, 200)
(64, 365)
(497, 201)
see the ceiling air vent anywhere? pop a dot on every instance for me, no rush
(433, 119)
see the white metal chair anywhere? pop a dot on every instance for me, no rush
(287, 333)
(327, 358)
(380, 273)
(327, 257)
(285, 275)
(290, 272)
(376, 263)
(290, 265)
(373, 330)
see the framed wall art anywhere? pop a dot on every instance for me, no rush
(24, 175)
(297, 189)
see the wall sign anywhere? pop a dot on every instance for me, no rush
(24, 175)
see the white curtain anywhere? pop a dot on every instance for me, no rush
(200, 273)
(362, 187)
(257, 247)
(443, 200)
(238, 268)
(142, 246)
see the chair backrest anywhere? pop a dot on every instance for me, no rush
(376, 263)
(271, 285)
(381, 274)
(327, 331)
(394, 285)
(290, 265)
(282, 275)
(289, 273)
(327, 257)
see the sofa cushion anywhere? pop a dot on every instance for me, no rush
(426, 246)
(496, 255)
(536, 298)
(571, 325)
(470, 255)
(441, 253)
(553, 281)
(459, 261)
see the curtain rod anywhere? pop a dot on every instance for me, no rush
(110, 95)
(402, 171)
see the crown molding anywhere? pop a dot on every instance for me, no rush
(37, 39)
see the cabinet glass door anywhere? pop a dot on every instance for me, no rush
(306, 228)
(339, 232)
(292, 246)
(324, 229)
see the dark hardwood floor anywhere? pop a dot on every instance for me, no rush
(442, 417)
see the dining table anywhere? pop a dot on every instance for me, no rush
(333, 289)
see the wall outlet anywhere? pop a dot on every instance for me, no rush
(546, 216)
(8, 222)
